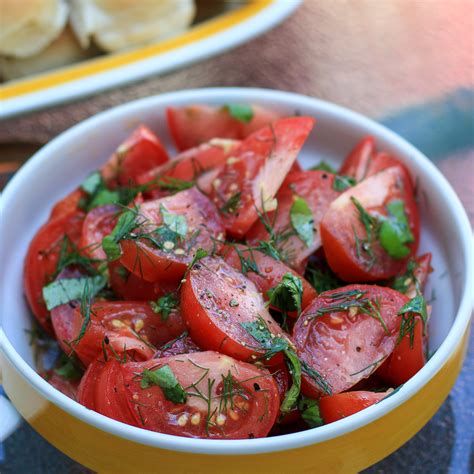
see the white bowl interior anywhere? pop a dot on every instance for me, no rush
(59, 167)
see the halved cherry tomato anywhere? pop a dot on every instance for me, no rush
(248, 183)
(345, 334)
(123, 326)
(226, 398)
(344, 236)
(67, 205)
(42, 258)
(196, 124)
(181, 345)
(86, 391)
(98, 223)
(204, 229)
(139, 153)
(65, 386)
(216, 300)
(270, 272)
(316, 188)
(342, 405)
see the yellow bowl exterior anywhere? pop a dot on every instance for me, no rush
(351, 452)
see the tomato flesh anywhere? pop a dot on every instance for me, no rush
(346, 346)
(248, 183)
(67, 205)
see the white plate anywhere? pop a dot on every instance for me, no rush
(206, 39)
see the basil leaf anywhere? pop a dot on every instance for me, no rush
(165, 305)
(323, 166)
(125, 224)
(341, 183)
(69, 289)
(166, 380)
(309, 410)
(302, 220)
(92, 183)
(175, 222)
(241, 112)
(395, 231)
(287, 295)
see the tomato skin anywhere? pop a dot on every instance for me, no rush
(342, 405)
(213, 322)
(250, 413)
(338, 345)
(316, 188)
(342, 220)
(138, 154)
(98, 223)
(357, 162)
(126, 325)
(271, 273)
(65, 386)
(196, 124)
(259, 167)
(42, 258)
(67, 205)
(86, 391)
(155, 265)
(181, 345)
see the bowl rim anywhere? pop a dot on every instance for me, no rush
(283, 442)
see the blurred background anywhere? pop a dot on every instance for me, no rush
(406, 63)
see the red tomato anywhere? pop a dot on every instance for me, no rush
(227, 399)
(65, 386)
(192, 163)
(341, 223)
(151, 263)
(85, 393)
(282, 378)
(98, 223)
(42, 258)
(270, 274)
(248, 183)
(196, 124)
(316, 188)
(125, 326)
(128, 286)
(342, 405)
(346, 345)
(181, 345)
(215, 301)
(67, 205)
(141, 152)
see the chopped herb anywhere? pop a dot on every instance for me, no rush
(199, 255)
(165, 305)
(324, 166)
(166, 380)
(302, 220)
(287, 295)
(68, 368)
(374, 365)
(69, 255)
(241, 112)
(395, 231)
(403, 283)
(232, 204)
(321, 277)
(92, 183)
(174, 185)
(309, 410)
(341, 183)
(175, 222)
(416, 306)
(317, 378)
(247, 264)
(86, 311)
(371, 225)
(69, 289)
(125, 224)
(233, 303)
(268, 248)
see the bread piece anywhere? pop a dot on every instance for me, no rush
(62, 51)
(29, 26)
(119, 24)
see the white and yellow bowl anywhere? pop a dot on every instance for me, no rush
(348, 445)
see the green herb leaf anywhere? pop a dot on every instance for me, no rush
(232, 204)
(69, 255)
(69, 289)
(292, 394)
(175, 222)
(92, 183)
(67, 368)
(174, 185)
(165, 305)
(166, 380)
(341, 183)
(403, 283)
(241, 112)
(309, 410)
(323, 166)
(321, 277)
(395, 231)
(125, 224)
(417, 305)
(302, 220)
(288, 294)
(371, 225)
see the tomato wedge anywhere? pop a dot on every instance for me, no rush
(345, 334)
(270, 271)
(42, 259)
(193, 125)
(351, 235)
(123, 326)
(67, 205)
(65, 386)
(226, 398)
(181, 345)
(138, 154)
(216, 301)
(317, 189)
(168, 260)
(342, 405)
(247, 184)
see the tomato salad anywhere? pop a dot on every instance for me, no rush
(223, 292)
